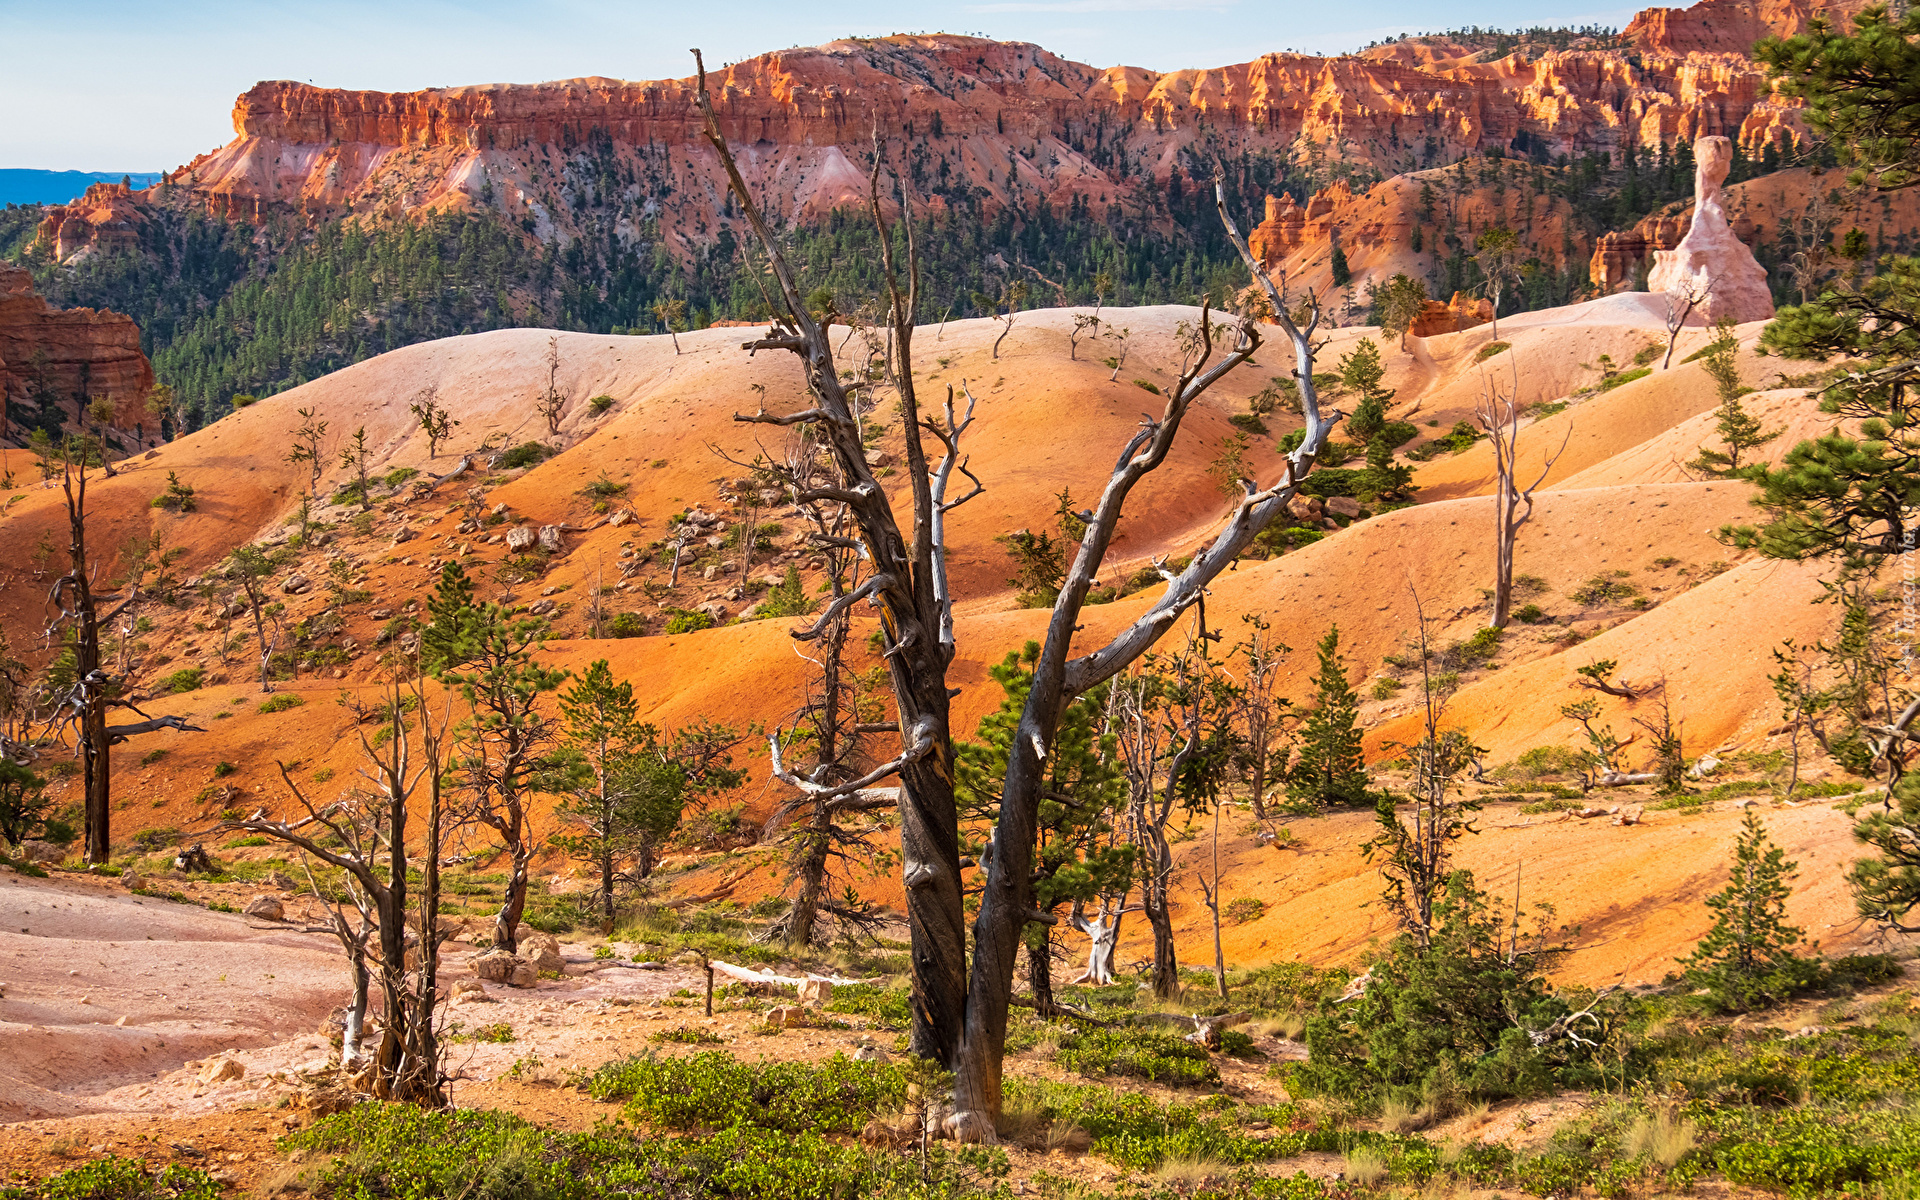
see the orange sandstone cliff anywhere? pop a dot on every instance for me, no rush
(67, 353)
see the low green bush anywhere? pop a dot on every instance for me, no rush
(282, 703)
(526, 454)
(713, 1090)
(1142, 1054)
(116, 1178)
(186, 679)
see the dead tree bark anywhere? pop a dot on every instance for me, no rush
(1499, 415)
(1058, 677)
(908, 583)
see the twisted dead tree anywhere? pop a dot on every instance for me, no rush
(960, 1009)
(76, 612)
(364, 835)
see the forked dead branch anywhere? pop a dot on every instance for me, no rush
(960, 1007)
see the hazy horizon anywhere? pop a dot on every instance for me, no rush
(162, 79)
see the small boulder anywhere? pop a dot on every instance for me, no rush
(814, 993)
(222, 1069)
(543, 951)
(278, 879)
(495, 966)
(131, 880)
(35, 851)
(1345, 506)
(868, 1052)
(524, 976)
(540, 608)
(550, 539)
(786, 1015)
(471, 991)
(403, 534)
(266, 908)
(714, 609)
(520, 539)
(296, 584)
(620, 518)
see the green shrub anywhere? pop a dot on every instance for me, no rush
(1490, 349)
(1530, 614)
(116, 1178)
(604, 487)
(683, 621)
(499, 1033)
(240, 843)
(1614, 381)
(526, 454)
(398, 476)
(186, 679)
(1156, 1057)
(891, 1007)
(600, 404)
(628, 624)
(1604, 589)
(223, 769)
(281, 703)
(714, 1090)
(686, 1035)
(1145, 386)
(1244, 909)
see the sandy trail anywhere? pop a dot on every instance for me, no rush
(110, 1001)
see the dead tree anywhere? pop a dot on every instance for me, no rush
(1260, 711)
(365, 836)
(75, 610)
(961, 1021)
(553, 400)
(831, 721)
(1499, 415)
(1682, 298)
(1146, 736)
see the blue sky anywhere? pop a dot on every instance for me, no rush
(120, 86)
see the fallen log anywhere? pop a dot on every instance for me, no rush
(747, 975)
(1206, 1030)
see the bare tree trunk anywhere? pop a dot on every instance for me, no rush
(1040, 970)
(1499, 415)
(1213, 902)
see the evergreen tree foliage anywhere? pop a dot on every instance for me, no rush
(1330, 769)
(1739, 431)
(1747, 958)
(1887, 888)
(1079, 855)
(1342, 273)
(23, 802)
(1840, 496)
(1448, 1021)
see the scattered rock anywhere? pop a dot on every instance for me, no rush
(524, 976)
(714, 609)
(1346, 506)
(521, 539)
(541, 608)
(35, 851)
(266, 908)
(550, 539)
(620, 518)
(543, 951)
(495, 966)
(132, 881)
(814, 993)
(222, 1069)
(871, 1053)
(786, 1015)
(296, 584)
(403, 534)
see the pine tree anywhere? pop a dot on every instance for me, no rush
(1078, 856)
(1330, 769)
(1747, 957)
(1342, 273)
(1739, 431)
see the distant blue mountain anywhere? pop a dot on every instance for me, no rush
(21, 186)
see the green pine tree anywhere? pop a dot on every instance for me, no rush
(1887, 888)
(1330, 769)
(1740, 432)
(1747, 958)
(1342, 274)
(1384, 479)
(1077, 857)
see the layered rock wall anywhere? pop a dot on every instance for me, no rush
(67, 355)
(1003, 124)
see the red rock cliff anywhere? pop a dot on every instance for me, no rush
(1000, 124)
(1730, 26)
(68, 353)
